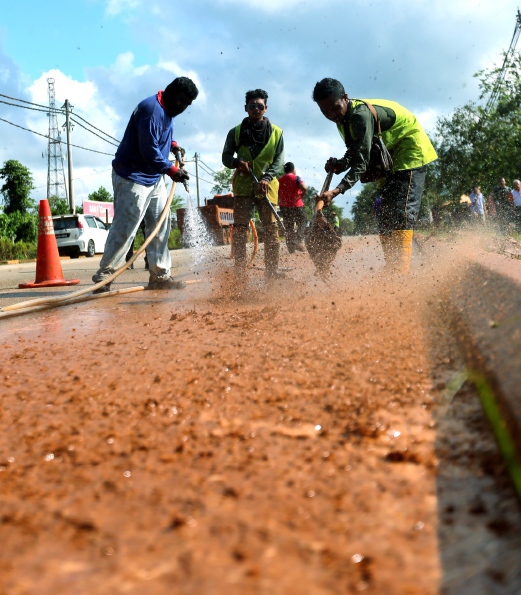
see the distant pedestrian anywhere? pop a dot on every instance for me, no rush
(477, 204)
(516, 201)
(501, 199)
(291, 193)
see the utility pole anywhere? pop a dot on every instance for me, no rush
(196, 157)
(55, 176)
(67, 125)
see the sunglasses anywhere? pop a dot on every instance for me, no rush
(259, 106)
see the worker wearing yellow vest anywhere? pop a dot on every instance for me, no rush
(410, 148)
(258, 144)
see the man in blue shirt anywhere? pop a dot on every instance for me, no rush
(139, 189)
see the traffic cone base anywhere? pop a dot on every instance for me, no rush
(48, 267)
(52, 283)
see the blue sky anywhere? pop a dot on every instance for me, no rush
(107, 55)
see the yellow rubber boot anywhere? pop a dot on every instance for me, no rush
(402, 244)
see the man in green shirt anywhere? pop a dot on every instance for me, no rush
(259, 145)
(410, 148)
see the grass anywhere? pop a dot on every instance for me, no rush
(174, 240)
(16, 250)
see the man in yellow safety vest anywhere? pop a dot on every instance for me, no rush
(410, 148)
(259, 145)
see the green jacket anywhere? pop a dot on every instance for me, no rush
(266, 164)
(402, 134)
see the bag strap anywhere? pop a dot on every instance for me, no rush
(375, 116)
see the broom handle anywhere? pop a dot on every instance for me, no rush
(320, 204)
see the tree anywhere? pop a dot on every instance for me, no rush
(178, 202)
(17, 187)
(101, 195)
(223, 181)
(362, 209)
(477, 145)
(59, 206)
(309, 201)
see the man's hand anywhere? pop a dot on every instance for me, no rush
(328, 196)
(178, 151)
(262, 187)
(334, 165)
(178, 174)
(243, 166)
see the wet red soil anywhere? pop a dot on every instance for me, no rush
(231, 439)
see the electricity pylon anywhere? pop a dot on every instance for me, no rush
(55, 175)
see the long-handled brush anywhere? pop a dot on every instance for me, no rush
(321, 240)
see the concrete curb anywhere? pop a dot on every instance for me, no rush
(31, 260)
(486, 310)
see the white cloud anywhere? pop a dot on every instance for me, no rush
(428, 119)
(176, 70)
(115, 7)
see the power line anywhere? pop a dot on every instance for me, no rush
(207, 181)
(62, 142)
(31, 108)
(46, 107)
(92, 132)
(502, 73)
(99, 130)
(205, 169)
(208, 167)
(47, 110)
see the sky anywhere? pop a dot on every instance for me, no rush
(105, 56)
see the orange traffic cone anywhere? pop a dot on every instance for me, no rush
(48, 267)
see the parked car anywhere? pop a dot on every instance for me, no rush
(76, 234)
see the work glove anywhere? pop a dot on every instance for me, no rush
(178, 151)
(178, 174)
(336, 166)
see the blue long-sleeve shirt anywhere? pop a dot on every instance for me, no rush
(142, 155)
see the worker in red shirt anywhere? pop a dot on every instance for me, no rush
(291, 192)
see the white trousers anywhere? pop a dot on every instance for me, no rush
(132, 203)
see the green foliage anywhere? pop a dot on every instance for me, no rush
(59, 206)
(347, 227)
(309, 201)
(19, 227)
(178, 202)
(363, 219)
(16, 251)
(223, 181)
(476, 146)
(17, 186)
(175, 241)
(101, 195)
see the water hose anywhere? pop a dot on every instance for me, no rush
(84, 298)
(255, 236)
(64, 300)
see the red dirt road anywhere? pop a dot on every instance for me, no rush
(223, 440)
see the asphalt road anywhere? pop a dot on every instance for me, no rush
(83, 268)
